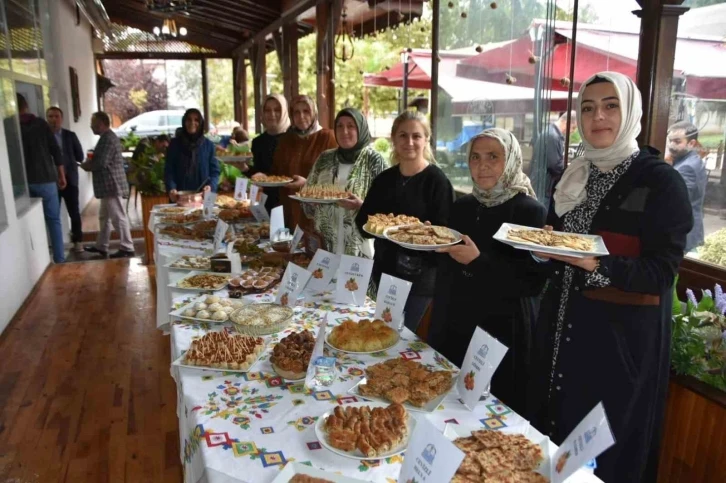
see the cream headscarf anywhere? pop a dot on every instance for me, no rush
(315, 125)
(570, 191)
(284, 122)
(513, 180)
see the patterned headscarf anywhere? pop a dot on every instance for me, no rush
(513, 180)
(348, 156)
(284, 122)
(314, 126)
(570, 191)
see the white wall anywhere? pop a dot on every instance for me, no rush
(71, 47)
(24, 253)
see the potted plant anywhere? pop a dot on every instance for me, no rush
(147, 175)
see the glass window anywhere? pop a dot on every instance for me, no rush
(221, 95)
(4, 42)
(13, 142)
(697, 133)
(25, 37)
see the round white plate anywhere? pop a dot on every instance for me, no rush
(315, 200)
(271, 184)
(421, 248)
(356, 454)
(327, 336)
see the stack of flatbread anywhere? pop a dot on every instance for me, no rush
(551, 239)
(422, 235)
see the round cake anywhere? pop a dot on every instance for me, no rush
(291, 356)
(363, 336)
(261, 319)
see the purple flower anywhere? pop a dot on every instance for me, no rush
(691, 296)
(721, 306)
(708, 292)
(719, 291)
(723, 336)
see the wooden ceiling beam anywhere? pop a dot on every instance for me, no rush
(235, 7)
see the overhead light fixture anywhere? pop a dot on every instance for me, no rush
(169, 6)
(344, 45)
(168, 30)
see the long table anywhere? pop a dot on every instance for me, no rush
(244, 427)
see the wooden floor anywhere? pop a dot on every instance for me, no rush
(85, 390)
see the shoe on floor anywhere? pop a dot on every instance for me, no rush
(122, 254)
(92, 249)
(78, 247)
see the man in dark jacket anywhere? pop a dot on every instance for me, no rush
(44, 170)
(548, 158)
(72, 155)
(682, 142)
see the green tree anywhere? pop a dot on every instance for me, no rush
(586, 14)
(138, 97)
(220, 85)
(701, 3)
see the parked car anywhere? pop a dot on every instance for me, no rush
(153, 123)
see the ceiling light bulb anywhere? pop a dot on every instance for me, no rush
(165, 29)
(157, 31)
(183, 31)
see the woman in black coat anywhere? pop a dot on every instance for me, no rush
(604, 327)
(484, 282)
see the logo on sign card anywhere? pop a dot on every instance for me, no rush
(392, 290)
(429, 453)
(590, 434)
(325, 261)
(483, 351)
(293, 279)
(355, 267)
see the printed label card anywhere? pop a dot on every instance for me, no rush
(208, 207)
(590, 438)
(293, 282)
(240, 189)
(219, 232)
(430, 456)
(484, 355)
(353, 276)
(391, 298)
(260, 213)
(254, 190)
(263, 199)
(235, 263)
(322, 268)
(320, 367)
(296, 237)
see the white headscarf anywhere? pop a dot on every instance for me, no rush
(570, 191)
(513, 180)
(284, 122)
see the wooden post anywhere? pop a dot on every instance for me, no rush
(259, 79)
(656, 53)
(327, 17)
(238, 70)
(243, 87)
(205, 95)
(290, 73)
(434, 93)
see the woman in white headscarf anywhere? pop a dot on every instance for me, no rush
(483, 282)
(603, 332)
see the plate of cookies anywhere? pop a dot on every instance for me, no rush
(222, 351)
(422, 237)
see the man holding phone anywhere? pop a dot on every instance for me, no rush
(72, 155)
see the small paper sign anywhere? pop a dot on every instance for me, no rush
(254, 189)
(219, 232)
(209, 200)
(484, 355)
(322, 268)
(240, 189)
(235, 263)
(354, 273)
(293, 282)
(430, 456)
(296, 237)
(260, 213)
(590, 438)
(277, 223)
(263, 199)
(391, 298)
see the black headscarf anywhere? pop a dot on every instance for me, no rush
(348, 156)
(190, 142)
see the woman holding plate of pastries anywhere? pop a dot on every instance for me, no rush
(483, 282)
(603, 332)
(414, 186)
(296, 152)
(352, 166)
(276, 122)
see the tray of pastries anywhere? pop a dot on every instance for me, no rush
(191, 262)
(171, 209)
(255, 230)
(377, 224)
(181, 218)
(203, 281)
(493, 455)
(208, 308)
(291, 356)
(295, 472)
(321, 193)
(235, 215)
(245, 246)
(222, 351)
(364, 337)
(271, 181)
(256, 280)
(225, 201)
(552, 242)
(261, 319)
(366, 431)
(422, 237)
(409, 383)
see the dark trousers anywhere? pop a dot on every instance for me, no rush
(70, 196)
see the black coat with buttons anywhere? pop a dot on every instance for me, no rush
(496, 292)
(615, 341)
